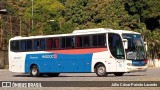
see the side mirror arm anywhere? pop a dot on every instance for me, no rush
(146, 47)
(125, 43)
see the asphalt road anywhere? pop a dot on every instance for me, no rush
(152, 74)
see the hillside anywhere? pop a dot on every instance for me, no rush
(64, 16)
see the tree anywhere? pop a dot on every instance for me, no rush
(144, 12)
(44, 11)
(96, 13)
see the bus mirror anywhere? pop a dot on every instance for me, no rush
(125, 43)
(146, 47)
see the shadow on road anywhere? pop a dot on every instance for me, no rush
(45, 76)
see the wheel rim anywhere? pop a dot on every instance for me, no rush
(34, 71)
(101, 70)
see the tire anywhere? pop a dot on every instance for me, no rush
(53, 74)
(34, 71)
(101, 70)
(119, 74)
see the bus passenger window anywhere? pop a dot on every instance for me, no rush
(101, 40)
(23, 45)
(49, 43)
(42, 44)
(78, 41)
(36, 44)
(29, 45)
(86, 41)
(94, 40)
(56, 43)
(63, 40)
(73, 42)
(69, 42)
(15, 45)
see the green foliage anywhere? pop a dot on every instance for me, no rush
(138, 15)
(145, 11)
(43, 12)
(103, 13)
(67, 27)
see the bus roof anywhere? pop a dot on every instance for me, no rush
(78, 32)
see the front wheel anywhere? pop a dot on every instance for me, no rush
(101, 70)
(119, 74)
(34, 71)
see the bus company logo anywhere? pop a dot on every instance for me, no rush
(55, 56)
(6, 84)
(47, 56)
(50, 56)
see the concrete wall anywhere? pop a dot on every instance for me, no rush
(154, 63)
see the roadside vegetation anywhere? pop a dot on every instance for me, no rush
(64, 16)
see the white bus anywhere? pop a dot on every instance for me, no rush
(103, 51)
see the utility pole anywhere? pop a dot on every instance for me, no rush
(20, 26)
(32, 14)
(11, 25)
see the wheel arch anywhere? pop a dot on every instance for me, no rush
(33, 64)
(98, 64)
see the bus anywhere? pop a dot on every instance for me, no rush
(102, 51)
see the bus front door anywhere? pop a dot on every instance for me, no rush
(120, 65)
(117, 50)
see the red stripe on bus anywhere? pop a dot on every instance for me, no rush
(78, 51)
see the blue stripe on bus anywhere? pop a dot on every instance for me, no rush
(52, 62)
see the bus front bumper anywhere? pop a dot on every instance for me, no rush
(136, 69)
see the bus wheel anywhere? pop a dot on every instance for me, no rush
(118, 74)
(101, 70)
(34, 71)
(53, 74)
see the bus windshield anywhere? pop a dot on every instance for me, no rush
(136, 49)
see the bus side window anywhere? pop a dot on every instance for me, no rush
(23, 45)
(15, 45)
(36, 44)
(78, 41)
(63, 40)
(42, 44)
(56, 43)
(86, 41)
(29, 45)
(69, 42)
(73, 42)
(94, 40)
(49, 43)
(101, 40)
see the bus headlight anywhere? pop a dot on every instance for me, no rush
(129, 64)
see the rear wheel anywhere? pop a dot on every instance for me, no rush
(101, 70)
(119, 74)
(34, 71)
(53, 74)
